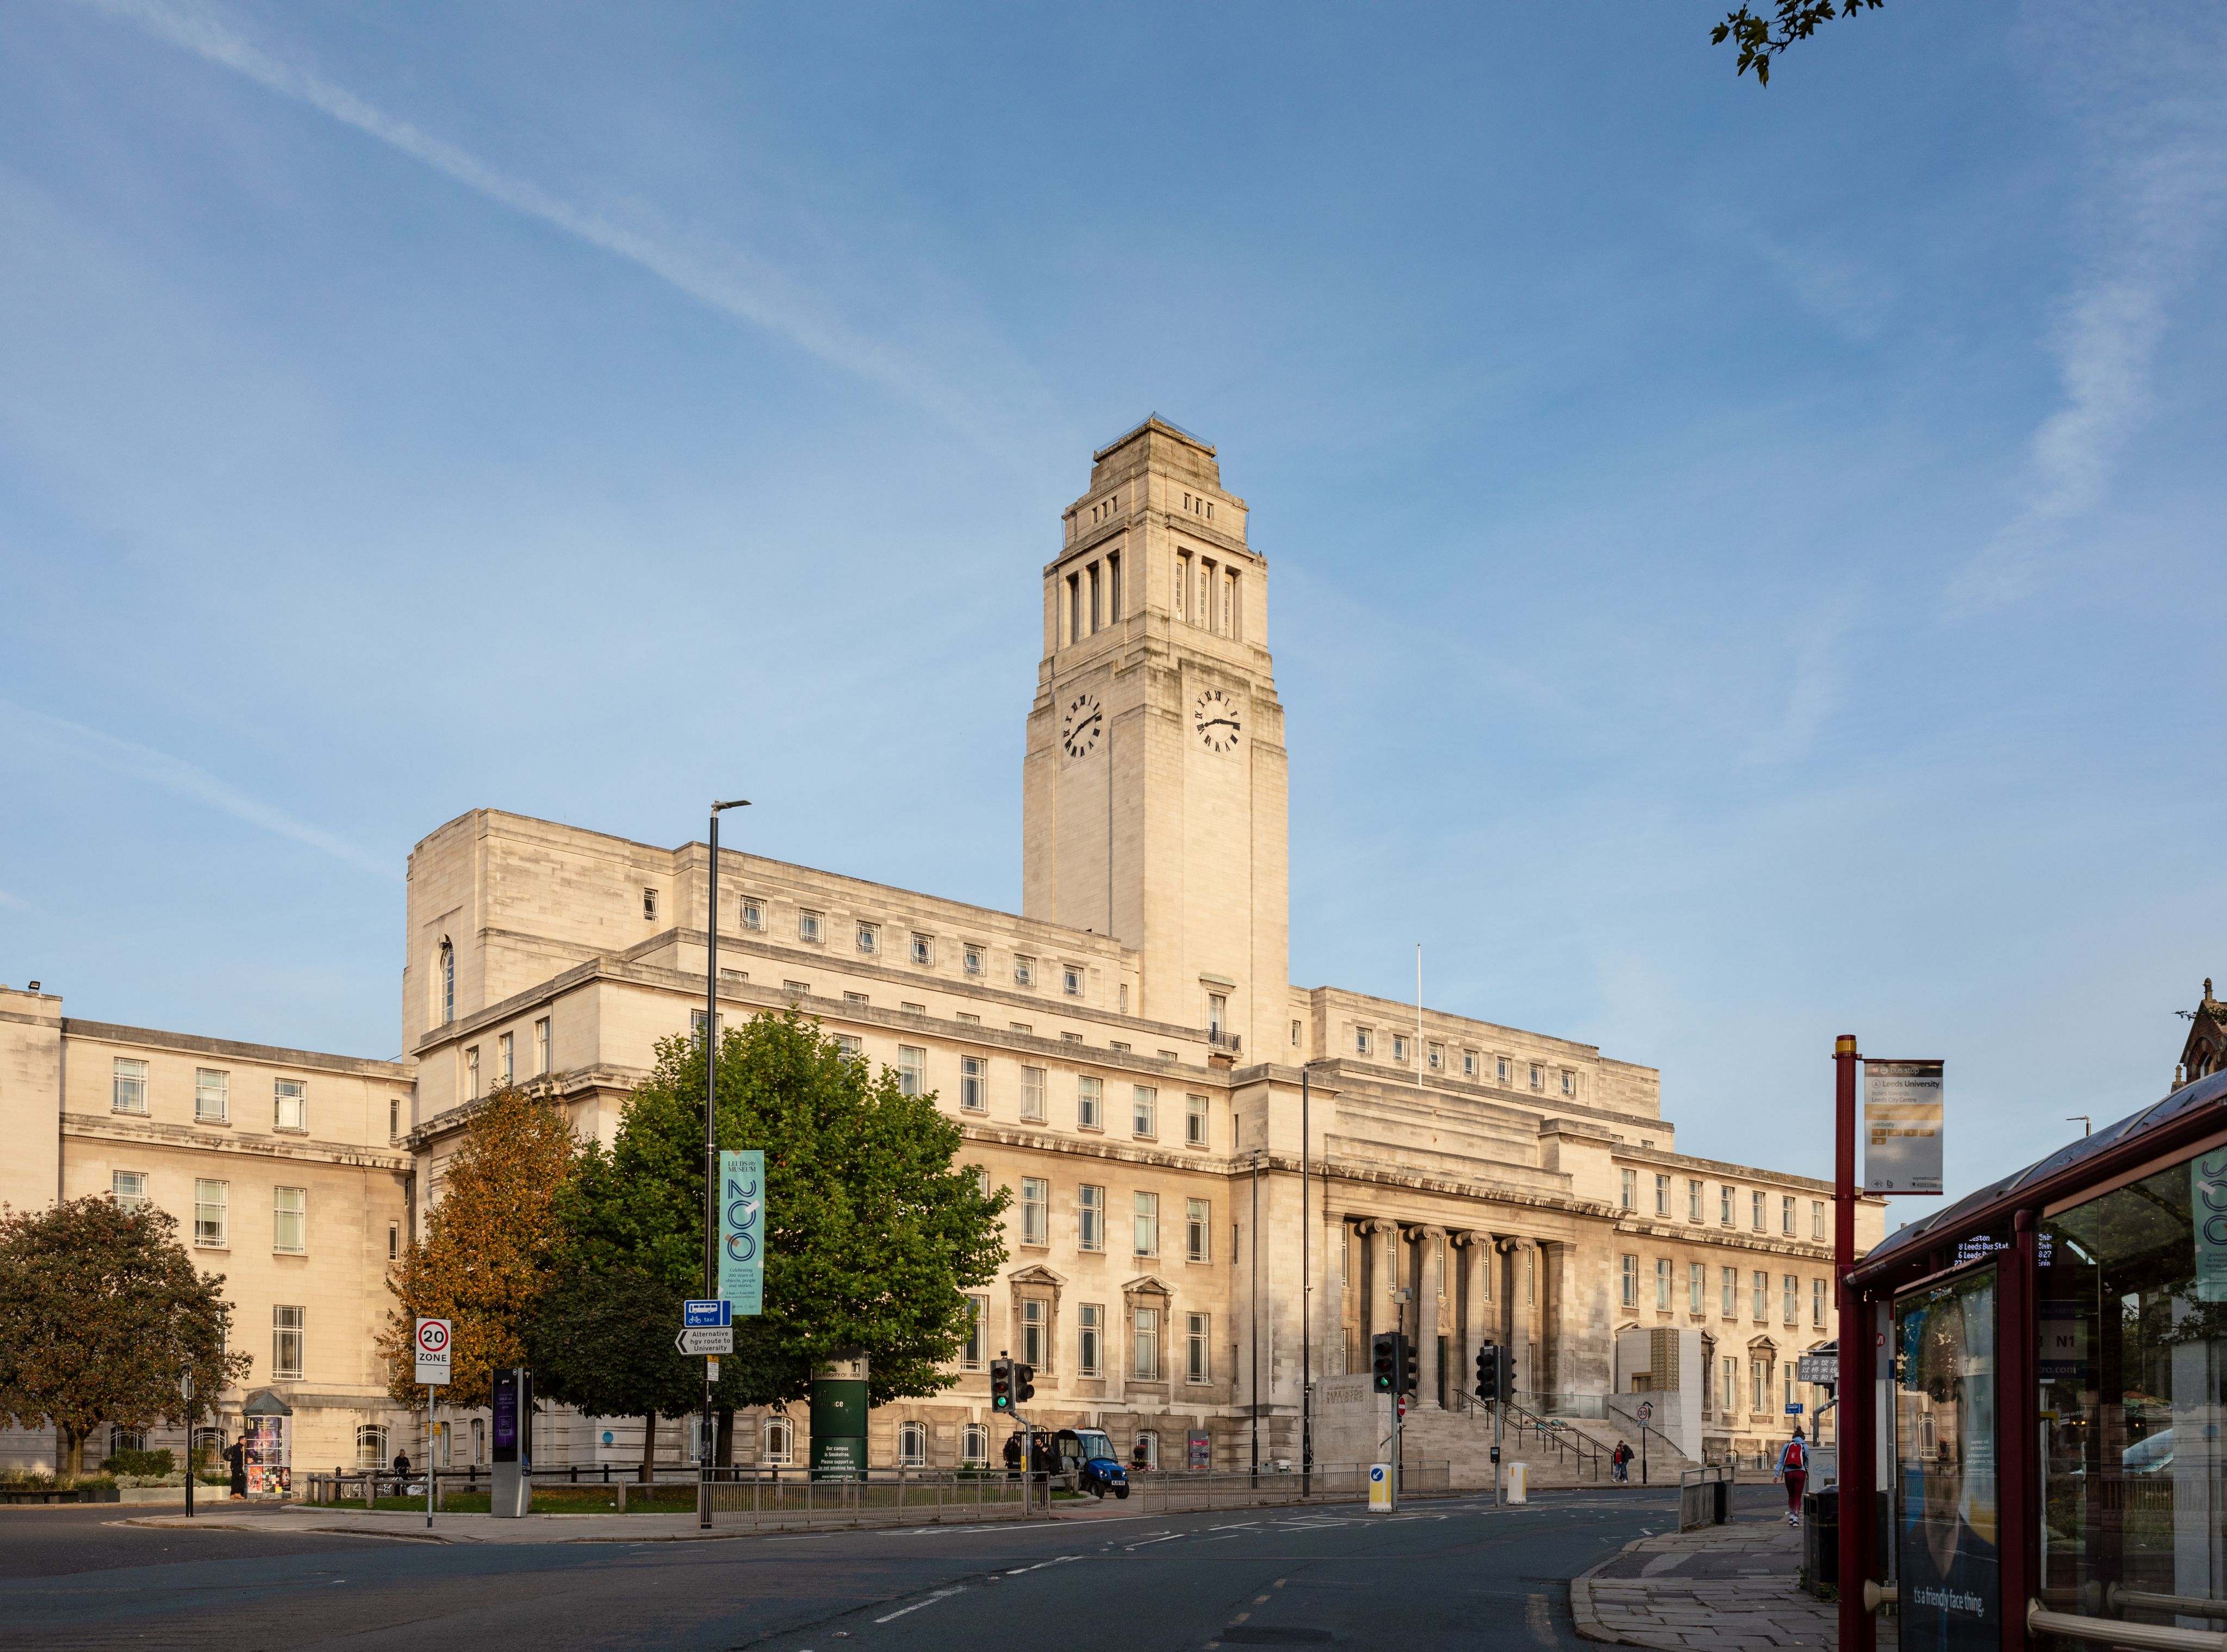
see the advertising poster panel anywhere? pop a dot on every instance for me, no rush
(1946, 1519)
(742, 1230)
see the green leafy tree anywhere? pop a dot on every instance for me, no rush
(101, 1312)
(1763, 35)
(488, 1249)
(874, 1231)
(604, 1341)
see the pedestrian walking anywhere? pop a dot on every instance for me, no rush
(235, 1458)
(1794, 1469)
(1012, 1456)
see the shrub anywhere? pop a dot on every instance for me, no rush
(154, 1463)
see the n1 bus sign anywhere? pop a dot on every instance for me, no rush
(431, 1340)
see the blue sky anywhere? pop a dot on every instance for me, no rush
(1745, 564)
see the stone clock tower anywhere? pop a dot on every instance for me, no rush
(1155, 788)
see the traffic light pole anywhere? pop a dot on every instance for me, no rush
(1499, 1427)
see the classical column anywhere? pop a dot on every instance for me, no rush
(1475, 1250)
(1515, 1319)
(1430, 1284)
(1384, 1276)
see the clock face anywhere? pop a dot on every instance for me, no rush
(1080, 724)
(1213, 719)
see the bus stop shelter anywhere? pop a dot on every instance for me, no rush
(2041, 1394)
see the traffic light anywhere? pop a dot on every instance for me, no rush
(1495, 1373)
(1001, 1385)
(1025, 1383)
(1410, 1371)
(1384, 1361)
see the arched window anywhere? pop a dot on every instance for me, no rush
(448, 983)
(974, 1445)
(912, 1445)
(126, 1439)
(371, 1445)
(780, 1442)
(1150, 1444)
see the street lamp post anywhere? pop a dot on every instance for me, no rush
(710, 1158)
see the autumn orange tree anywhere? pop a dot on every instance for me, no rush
(484, 1262)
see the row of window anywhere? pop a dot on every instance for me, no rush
(506, 1057)
(1759, 1384)
(1090, 1213)
(1474, 1065)
(290, 1097)
(1089, 1094)
(1697, 1289)
(1091, 1333)
(289, 1214)
(920, 947)
(1727, 1205)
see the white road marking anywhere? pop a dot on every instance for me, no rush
(940, 1594)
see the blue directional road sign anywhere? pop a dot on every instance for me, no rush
(693, 1314)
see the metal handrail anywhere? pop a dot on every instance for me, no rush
(1560, 1436)
(1622, 1415)
(2116, 1631)
(2142, 1601)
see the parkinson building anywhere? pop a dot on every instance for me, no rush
(1125, 1055)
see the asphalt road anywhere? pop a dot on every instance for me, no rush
(1441, 1573)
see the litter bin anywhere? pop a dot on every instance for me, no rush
(1820, 1542)
(1519, 1482)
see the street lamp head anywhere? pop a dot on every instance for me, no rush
(739, 803)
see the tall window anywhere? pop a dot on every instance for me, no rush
(394, 1117)
(1070, 982)
(1196, 1369)
(974, 1084)
(1790, 1299)
(472, 1073)
(912, 1445)
(1631, 1281)
(394, 1241)
(370, 1445)
(650, 903)
(1817, 1303)
(1662, 1284)
(1034, 1314)
(1036, 1210)
(808, 927)
(1199, 1228)
(291, 1104)
(129, 1094)
(850, 1046)
(1762, 1304)
(128, 1190)
(1469, 1063)
(1631, 1191)
(1731, 1369)
(973, 1445)
(1145, 1111)
(1817, 1219)
(1362, 1040)
(1757, 1202)
(1145, 1344)
(1697, 1288)
(1786, 1215)
(211, 1227)
(1086, 1102)
(212, 1095)
(1089, 1218)
(1399, 1046)
(1195, 1117)
(1090, 1339)
(970, 1351)
(541, 1045)
(1662, 1195)
(448, 983)
(1032, 1094)
(1151, 1443)
(923, 949)
(1758, 1387)
(289, 1220)
(753, 913)
(506, 1065)
(1217, 1014)
(912, 1069)
(1725, 1206)
(1693, 1202)
(975, 961)
(1147, 1224)
(780, 1442)
(869, 938)
(1025, 971)
(287, 1326)
(1730, 1309)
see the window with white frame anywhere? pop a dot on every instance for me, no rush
(1730, 1283)
(1145, 1111)
(1025, 971)
(1295, 1034)
(1146, 1219)
(1662, 1285)
(1399, 1046)
(1731, 1369)
(780, 1442)
(1762, 1293)
(1070, 982)
(1500, 1069)
(923, 949)
(1786, 1215)
(1145, 1344)
(1217, 1014)
(978, 1332)
(912, 1069)
(1662, 1195)
(650, 903)
(796, 990)
(870, 939)
(810, 926)
(1631, 1281)
(1759, 1383)
(1789, 1307)
(289, 1220)
(1195, 1121)
(1035, 1345)
(128, 1092)
(973, 1445)
(394, 1241)
(1363, 1040)
(212, 1095)
(1630, 1190)
(1036, 1210)
(371, 1445)
(1150, 1444)
(505, 1064)
(850, 1047)
(912, 1445)
(1197, 1333)
(1198, 1229)
(1538, 1076)
(1469, 1063)
(1090, 1339)
(1692, 1200)
(472, 1073)
(1437, 1058)
(1817, 1219)
(1725, 1206)
(541, 1046)
(1697, 1288)
(753, 913)
(127, 1189)
(1569, 1083)
(1089, 1218)
(974, 1084)
(1817, 1303)
(1087, 1098)
(1032, 1094)
(211, 1202)
(287, 1328)
(448, 972)
(1759, 1202)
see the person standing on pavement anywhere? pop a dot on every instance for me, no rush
(235, 1458)
(1621, 1462)
(1794, 1469)
(1012, 1456)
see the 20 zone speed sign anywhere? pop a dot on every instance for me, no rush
(432, 1343)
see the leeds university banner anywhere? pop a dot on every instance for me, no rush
(1902, 1126)
(742, 1231)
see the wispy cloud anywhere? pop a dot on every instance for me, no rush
(725, 279)
(176, 774)
(2162, 182)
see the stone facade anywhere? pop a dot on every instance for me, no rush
(1194, 1229)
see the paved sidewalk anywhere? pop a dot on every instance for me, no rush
(1724, 1586)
